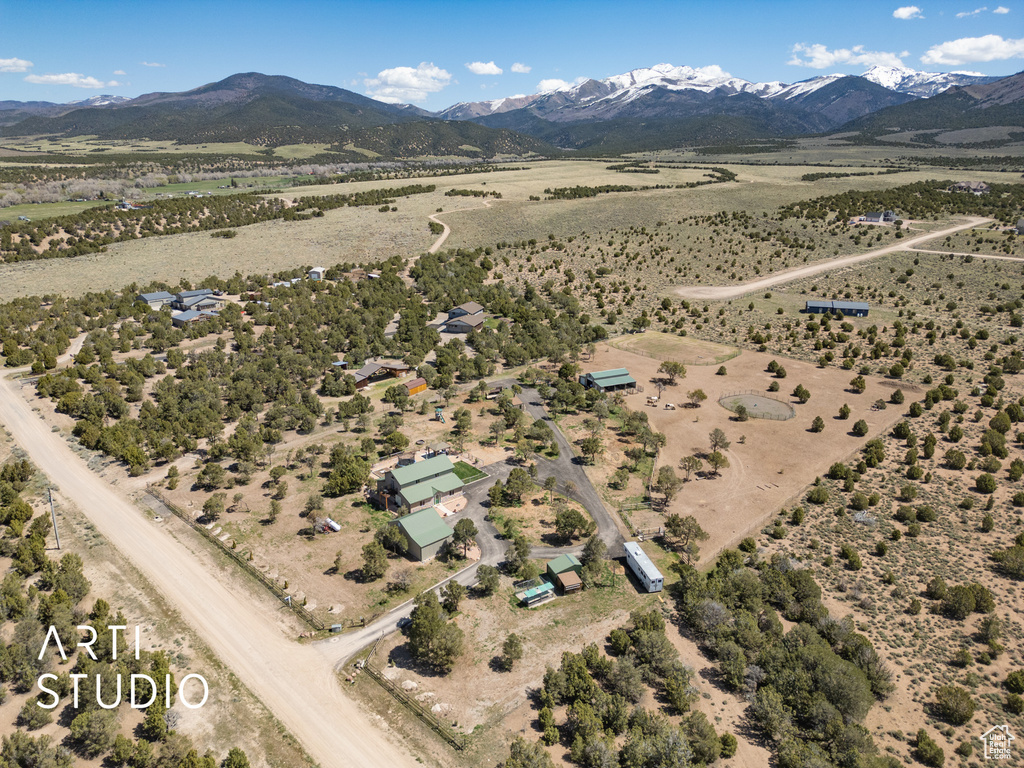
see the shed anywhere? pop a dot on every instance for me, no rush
(643, 568)
(570, 582)
(317, 273)
(416, 386)
(425, 531)
(611, 380)
(563, 564)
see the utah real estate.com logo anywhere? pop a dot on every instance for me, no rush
(997, 741)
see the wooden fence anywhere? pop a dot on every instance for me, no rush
(456, 740)
(241, 558)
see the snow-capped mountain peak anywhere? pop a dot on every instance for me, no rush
(921, 84)
(106, 100)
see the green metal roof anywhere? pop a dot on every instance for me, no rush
(563, 563)
(411, 474)
(425, 527)
(420, 491)
(612, 378)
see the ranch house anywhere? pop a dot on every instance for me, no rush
(469, 308)
(845, 308)
(464, 323)
(614, 380)
(421, 484)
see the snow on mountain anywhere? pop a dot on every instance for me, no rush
(922, 84)
(629, 86)
(804, 87)
(106, 100)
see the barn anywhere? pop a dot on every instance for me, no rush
(612, 380)
(426, 533)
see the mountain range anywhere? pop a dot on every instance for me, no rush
(647, 108)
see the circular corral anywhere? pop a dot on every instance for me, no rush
(759, 406)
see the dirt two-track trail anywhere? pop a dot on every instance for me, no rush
(297, 683)
(789, 275)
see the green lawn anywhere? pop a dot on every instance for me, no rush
(468, 474)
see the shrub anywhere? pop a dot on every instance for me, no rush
(721, 371)
(860, 428)
(729, 744)
(927, 751)
(954, 704)
(818, 495)
(986, 483)
(1015, 681)
(1014, 704)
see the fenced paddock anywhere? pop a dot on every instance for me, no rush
(759, 405)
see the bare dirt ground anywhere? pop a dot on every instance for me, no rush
(735, 291)
(775, 461)
(294, 682)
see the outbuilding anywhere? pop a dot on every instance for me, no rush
(612, 380)
(425, 532)
(643, 568)
(463, 324)
(845, 308)
(317, 273)
(156, 300)
(416, 386)
(565, 571)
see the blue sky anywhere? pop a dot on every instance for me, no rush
(434, 54)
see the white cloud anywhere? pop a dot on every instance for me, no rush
(908, 12)
(15, 65)
(967, 49)
(151, 64)
(405, 84)
(817, 56)
(72, 78)
(521, 69)
(120, 72)
(484, 68)
(555, 84)
(975, 12)
(1001, 10)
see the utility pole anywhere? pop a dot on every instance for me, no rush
(53, 516)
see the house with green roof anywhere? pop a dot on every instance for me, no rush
(421, 484)
(612, 380)
(425, 531)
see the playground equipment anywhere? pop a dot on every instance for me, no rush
(439, 414)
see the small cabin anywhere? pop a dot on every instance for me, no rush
(317, 273)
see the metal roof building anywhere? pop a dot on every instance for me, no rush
(425, 531)
(643, 568)
(608, 381)
(846, 308)
(423, 483)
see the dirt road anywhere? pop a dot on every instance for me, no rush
(297, 683)
(448, 230)
(777, 278)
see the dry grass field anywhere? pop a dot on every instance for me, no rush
(771, 462)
